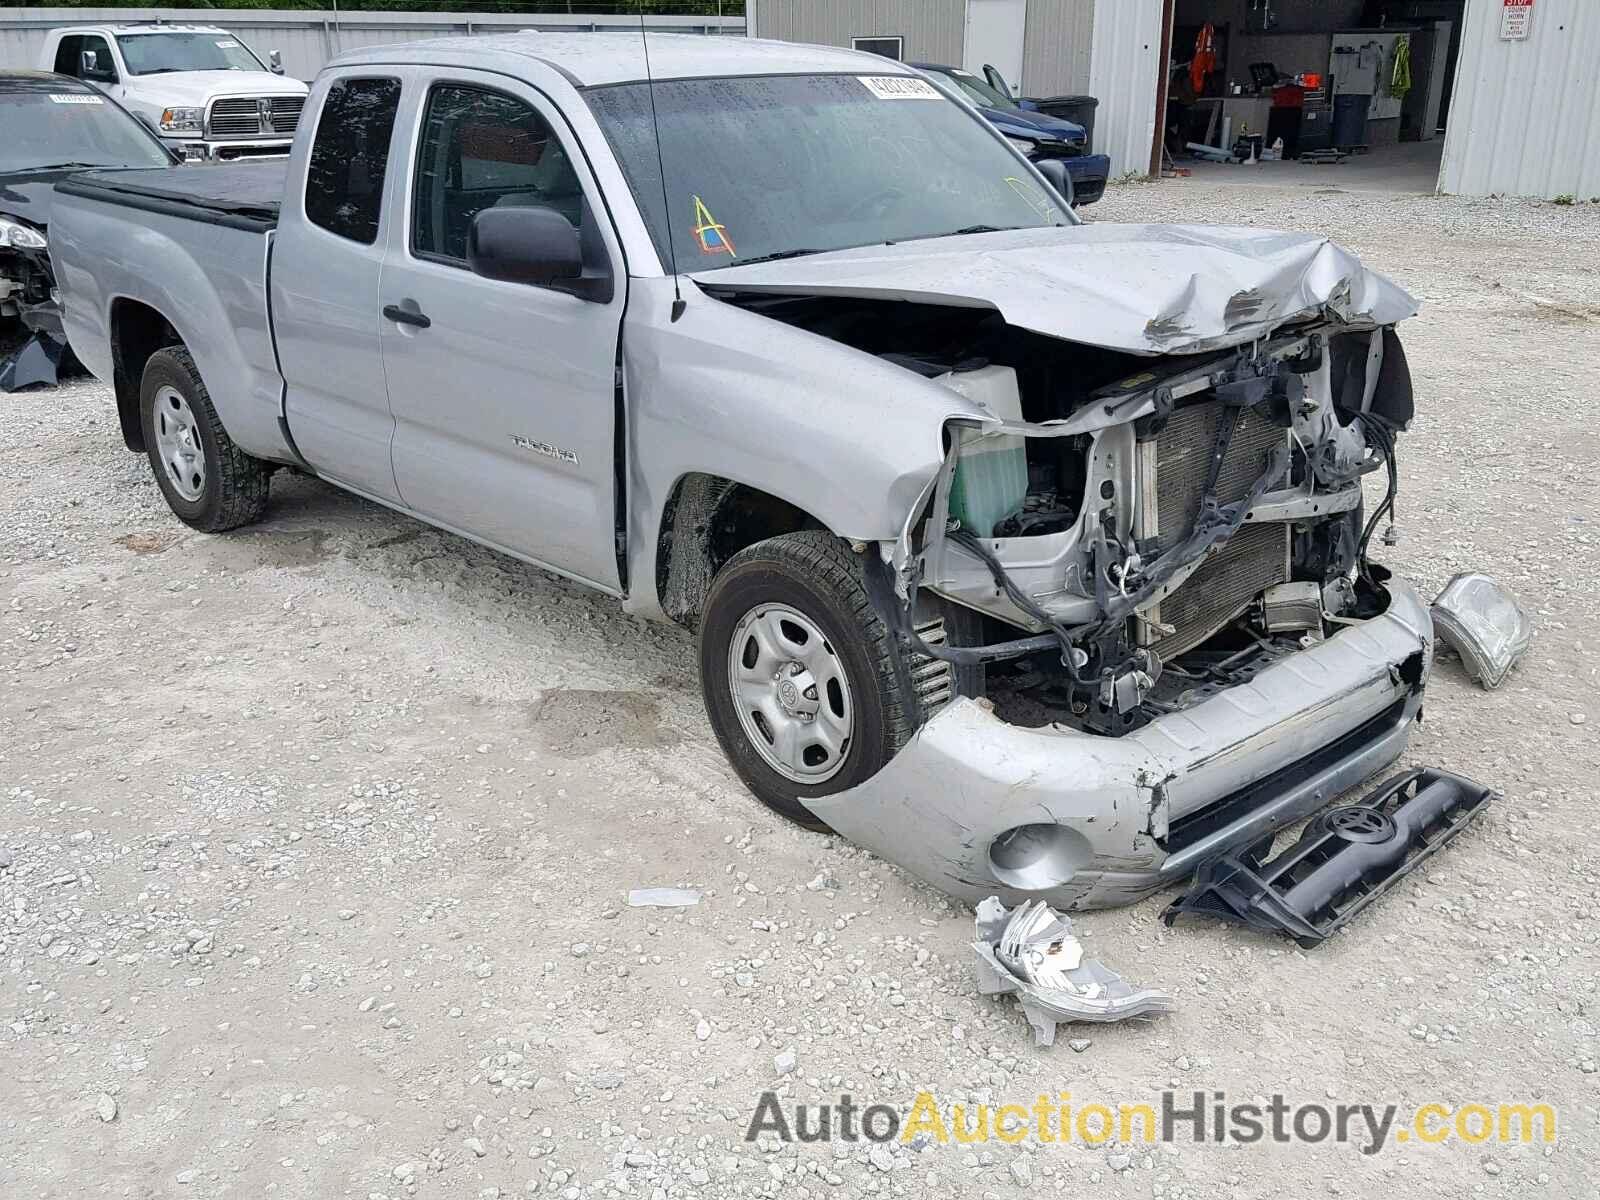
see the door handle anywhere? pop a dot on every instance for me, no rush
(406, 316)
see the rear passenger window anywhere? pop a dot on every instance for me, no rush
(479, 150)
(344, 183)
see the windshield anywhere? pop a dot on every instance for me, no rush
(977, 91)
(153, 53)
(773, 166)
(48, 129)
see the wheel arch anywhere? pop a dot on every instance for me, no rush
(138, 330)
(706, 520)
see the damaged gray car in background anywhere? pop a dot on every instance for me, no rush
(50, 127)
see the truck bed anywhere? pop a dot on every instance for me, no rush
(243, 195)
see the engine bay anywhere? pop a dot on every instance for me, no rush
(1130, 534)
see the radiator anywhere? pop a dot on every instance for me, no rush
(1172, 476)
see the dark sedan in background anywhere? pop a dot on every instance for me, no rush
(52, 126)
(1038, 135)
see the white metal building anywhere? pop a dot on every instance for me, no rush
(1519, 79)
(1041, 47)
(1527, 111)
(1524, 105)
(309, 38)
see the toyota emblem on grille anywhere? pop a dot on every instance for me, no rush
(264, 111)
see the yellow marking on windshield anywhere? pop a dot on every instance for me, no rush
(713, 235)
(1031, 196)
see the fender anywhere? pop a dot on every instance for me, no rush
(843, 436)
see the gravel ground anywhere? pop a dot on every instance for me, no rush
(314, 840)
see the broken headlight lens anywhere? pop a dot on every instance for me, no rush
(20, 236)
(181, 120)
(1480, 620)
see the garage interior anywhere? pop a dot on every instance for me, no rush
(1349, 93)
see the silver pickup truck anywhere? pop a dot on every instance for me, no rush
(1029, 554)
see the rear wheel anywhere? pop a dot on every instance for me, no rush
(796, 667)
(210, 483)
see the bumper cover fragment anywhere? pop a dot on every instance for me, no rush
(36, 362)
(1346, 858)
(1030, 950)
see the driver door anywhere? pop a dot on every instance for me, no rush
(503, 394)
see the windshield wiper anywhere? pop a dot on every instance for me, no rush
(962, 232)
(777, 256)
(64, 166)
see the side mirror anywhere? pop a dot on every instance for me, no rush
(537, 246)
(89, 67)
(1055, 174)
(275, 61)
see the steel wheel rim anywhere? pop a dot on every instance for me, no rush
(178, 445)
(791, 692)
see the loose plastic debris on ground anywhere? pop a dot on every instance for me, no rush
(34, 363)
(663, 898)
(1030, 950)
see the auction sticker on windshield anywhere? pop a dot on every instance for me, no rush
(74, 98)
(899, 87)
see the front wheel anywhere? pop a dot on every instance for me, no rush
(210, 483)
(798, 674)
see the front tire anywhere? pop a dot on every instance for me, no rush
(798, 675)
(210, 483)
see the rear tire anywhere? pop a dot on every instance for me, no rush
(792, 611)
(210, 483)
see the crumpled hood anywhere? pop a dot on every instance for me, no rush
(1145, 289)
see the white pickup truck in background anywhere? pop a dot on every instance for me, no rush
(203, 90)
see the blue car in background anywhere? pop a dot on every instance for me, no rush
(1036, 134)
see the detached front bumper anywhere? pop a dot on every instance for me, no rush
(977, 807)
